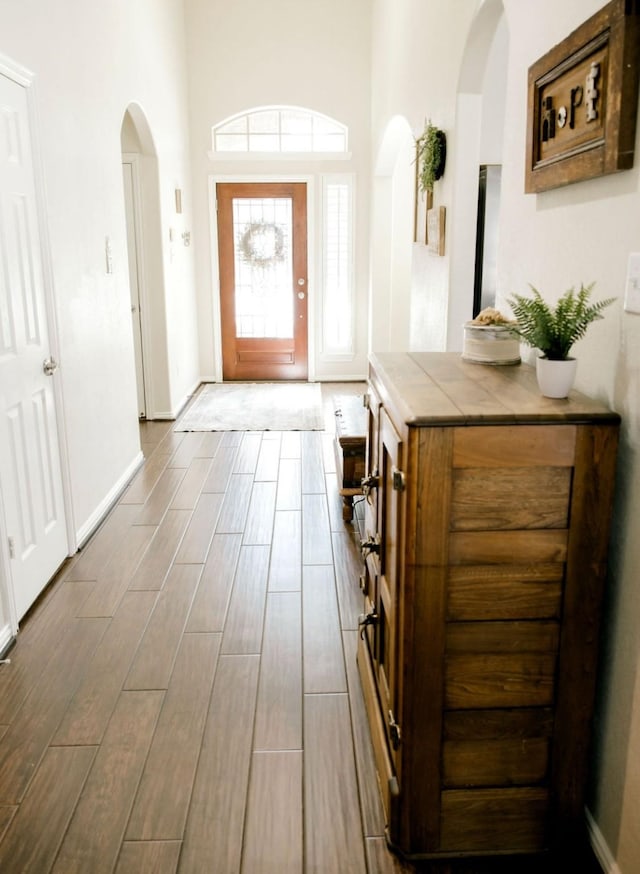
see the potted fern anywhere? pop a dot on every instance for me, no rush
(554, 330)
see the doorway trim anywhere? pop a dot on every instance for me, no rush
(312, 273)
(133, 159)
(25, 78)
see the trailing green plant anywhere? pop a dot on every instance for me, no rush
(431, 153)
(554, 330)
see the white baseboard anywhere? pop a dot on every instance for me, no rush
(85, 532)
(164, 416)
(6, 638)
(600, 846)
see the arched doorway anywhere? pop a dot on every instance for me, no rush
(146, 272)
(480, 120)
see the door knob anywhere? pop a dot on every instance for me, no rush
(50, 366)
(301, 295)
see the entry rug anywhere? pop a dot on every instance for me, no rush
(257, 406)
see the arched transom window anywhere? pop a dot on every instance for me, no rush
(280, 129)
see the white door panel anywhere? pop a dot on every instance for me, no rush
(30, 473)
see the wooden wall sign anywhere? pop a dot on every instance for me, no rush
(436, 218)
(582, 101)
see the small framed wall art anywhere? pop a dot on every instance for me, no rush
(583, 99)
(436, 219)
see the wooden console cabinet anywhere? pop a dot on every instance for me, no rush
(487, 520)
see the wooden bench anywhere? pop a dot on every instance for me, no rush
(350, 443)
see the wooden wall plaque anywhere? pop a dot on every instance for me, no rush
(582, 101)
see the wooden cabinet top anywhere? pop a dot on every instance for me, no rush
(440, 388)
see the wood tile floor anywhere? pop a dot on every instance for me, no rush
(184, 697)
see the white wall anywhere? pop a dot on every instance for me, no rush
(91, 60)
(584, 232)
(314, 54)
(417, 53)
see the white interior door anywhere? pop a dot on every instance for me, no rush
(133, 237)
(30, 469)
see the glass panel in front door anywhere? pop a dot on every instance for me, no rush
(262, 233)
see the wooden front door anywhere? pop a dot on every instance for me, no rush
(262, 250)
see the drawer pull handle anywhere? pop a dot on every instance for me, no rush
(370, 482)
(394, 731)
(366, 619)
(372, 545)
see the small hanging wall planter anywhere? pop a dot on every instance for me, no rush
(431, 155)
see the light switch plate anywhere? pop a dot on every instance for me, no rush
(632, 288)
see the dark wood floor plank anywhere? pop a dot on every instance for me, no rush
(193, 767)
(349, 567)
(187, 450)
(99, 549)
(285, 570)
(154, 659)
(273, 841)
(153, 510)
(258, 528)
(171, 439)
(189, 490)
(93, 703)
(160, 809)
(142, 485)
(312, 463)
(245, 616)
(7, 812)
(149, 857)
(333, 829)
(197, 539)
(334, 502)
(289, 495)
(370, 802)
(154, 566)
(328, 451)
(322, 639)
(213, 837)
(154, 431)
(232, 438)
(209, 444)
(41, 633)
(247, 458)
(269, 457)
(291, 446)
(36, 832)
(316, 536)
(220, 470)
(209, 608)
(235, 504)
(279, 708)
(92, 842)
(25, 741)
(114, 579)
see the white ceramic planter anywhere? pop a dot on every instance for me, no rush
(555, 378)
